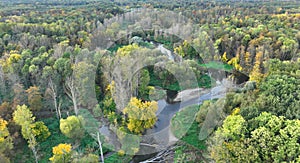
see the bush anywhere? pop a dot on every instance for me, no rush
(121, 152)
(90, 158)
(72, 127)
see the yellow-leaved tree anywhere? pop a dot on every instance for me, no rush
(5, 141)
(32, 131)
(141, 115)
(61, 153)
(234, 61)
(256, 74)
(126, 50)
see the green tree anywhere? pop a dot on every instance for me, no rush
(63, 66)
(72, 127)
(143, 88)
(83, 73)
(23, 117)
(266, 138)
(40, 131)
(277, 92)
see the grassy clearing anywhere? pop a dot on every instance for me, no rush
(186, 129)
(218, 65)
(115, 158)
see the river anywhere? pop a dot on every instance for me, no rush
(160, 134)
(166, 51)
(167, 111)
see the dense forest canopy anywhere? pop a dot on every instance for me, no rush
(99, 80)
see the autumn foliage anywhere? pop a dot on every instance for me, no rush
(141, 115)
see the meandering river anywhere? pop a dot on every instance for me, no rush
(160, 133)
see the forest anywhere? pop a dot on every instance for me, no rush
(125, 81)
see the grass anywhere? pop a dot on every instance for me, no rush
(218, 66)
(115, 158)
(189, 148)
(186, 128)
(192, 137)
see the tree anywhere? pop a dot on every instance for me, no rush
(52, 89)
(186, 50)
(63, 66)
(143, 81)
(40, 131)
(2, 85)
(204, 45)
(10, 61)
(127, 50)
(277, 92)
(72, 127)
(61, 153)
(6, 143)
(141, 115)
(92, 128)
(6, 111)
(83, 73)
(278, 96)
(269, 114)
(235, 63)
(233, 128)
(72, 93)
(19, 95)
(34, 98)
(23, 117)
(256, 74)
(121, 69)
(210, 116)
(53, 92)
(200, 116)
(266, 138)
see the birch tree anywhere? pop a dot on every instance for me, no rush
(52, 89)
(71, 91)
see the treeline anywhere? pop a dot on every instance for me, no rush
(259, 122)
